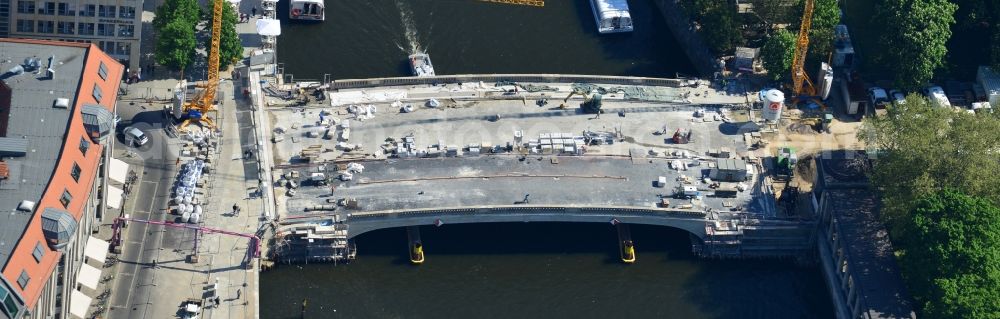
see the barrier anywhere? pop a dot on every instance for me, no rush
(493, 78)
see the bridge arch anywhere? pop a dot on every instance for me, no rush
(691, 221)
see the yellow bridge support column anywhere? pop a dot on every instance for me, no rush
(416, 247)
(626, 246)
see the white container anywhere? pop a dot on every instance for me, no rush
(195, 218)
(185, 217)
(774, 102)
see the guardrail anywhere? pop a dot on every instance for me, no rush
(523, 209)
(493, 78)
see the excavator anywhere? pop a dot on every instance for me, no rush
(591, 103)
(196, 110)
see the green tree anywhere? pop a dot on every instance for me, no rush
(950, 257)
(826, 16)
(719, 23)
(175, 45)
(921, 149)
(187, 11)
(230, 47)
(777, 54)
(916, 35)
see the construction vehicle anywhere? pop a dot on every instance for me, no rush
(802, 86)
(192, 308)
(786, 163)
(682, 136)
(575, 91)
(204, 102)
(591, 103)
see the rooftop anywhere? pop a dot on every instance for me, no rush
(870, 254)
(33, 118)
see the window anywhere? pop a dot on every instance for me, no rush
(39, 252)
(25, 25)
(49, 8)
(66, 198)
(75, 172)
(126, 12)
(102, 70)
(124, 48)
(97, 93)
(125, 30)
(63, 10)
(106, 29)
(46, 27)
(67, 27)
(8, 302)
(25, 7)
(89, 10)
(23, 279)
(104, 11)
(86, 28)
(84, 146)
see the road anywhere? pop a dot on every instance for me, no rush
(142, 243)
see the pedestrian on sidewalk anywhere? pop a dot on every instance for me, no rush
(238, 291)
(253, 11)
(155, 265)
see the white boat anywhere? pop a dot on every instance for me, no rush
(308, 10)
(421, 65)
(612, 16)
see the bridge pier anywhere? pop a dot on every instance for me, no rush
(625, 244)
(416, 247)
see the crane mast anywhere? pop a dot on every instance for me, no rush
(801, 85)
(204, 102)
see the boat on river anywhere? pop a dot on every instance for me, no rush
(612, 16)
(307, 10)
(420, 64)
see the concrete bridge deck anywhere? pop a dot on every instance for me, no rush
(492, 188)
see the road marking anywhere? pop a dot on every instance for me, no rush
(142, 245)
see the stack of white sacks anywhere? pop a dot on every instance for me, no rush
(187, 180)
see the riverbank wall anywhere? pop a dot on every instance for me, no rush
(687, 36)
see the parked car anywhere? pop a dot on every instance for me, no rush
(936, 94)
(137, 137)
(877, 97)
(897, 97)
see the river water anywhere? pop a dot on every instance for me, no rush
(541, 270)
(372, 38)
(523, 270)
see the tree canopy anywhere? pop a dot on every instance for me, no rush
(826, 17)
(720, 25)
(778, 53)
(175, 45)
(951, 256)
(915, 38)
(230, 47)
(921, 149)
(172, 10)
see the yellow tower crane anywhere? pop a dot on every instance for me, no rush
(204, 102)
(801, 85)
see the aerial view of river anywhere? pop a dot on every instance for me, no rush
(521, 270)
(372, 38)
(541, 270)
